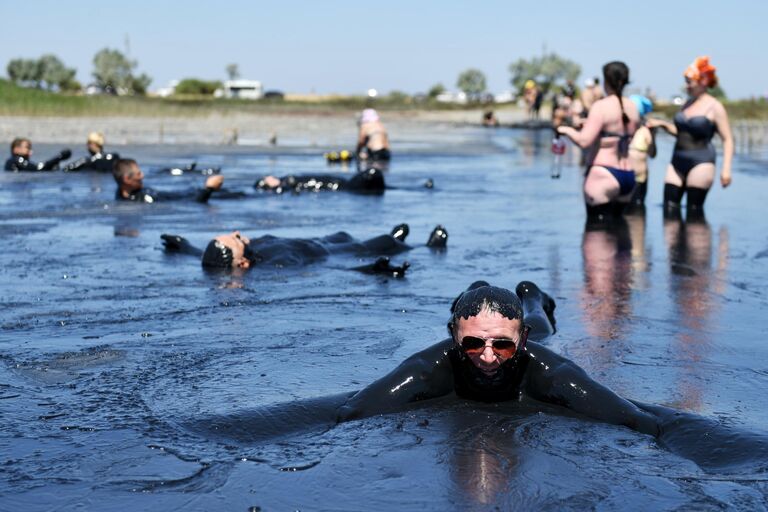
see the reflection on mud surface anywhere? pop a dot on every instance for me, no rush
(130, 378)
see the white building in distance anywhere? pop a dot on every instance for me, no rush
(243, 89)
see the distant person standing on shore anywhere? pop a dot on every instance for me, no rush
(692, 170)
(533, 96)
(372, 139)
(607, 132)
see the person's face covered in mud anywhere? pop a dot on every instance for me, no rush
(489, 339)
(489, 332)
(228, 251)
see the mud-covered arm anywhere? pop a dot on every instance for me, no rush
(424, 375)
(708, 442)
(552, 378)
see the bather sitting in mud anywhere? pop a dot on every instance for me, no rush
(369, 181)
(235, 251)
(130, 186)
(97, 160)
(489, 358)
(21, 152)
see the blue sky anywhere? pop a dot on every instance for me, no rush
(347, 47)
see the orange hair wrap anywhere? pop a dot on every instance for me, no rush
(702, 71)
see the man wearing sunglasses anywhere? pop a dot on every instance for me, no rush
(492, 356)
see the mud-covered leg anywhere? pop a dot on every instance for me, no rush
(538, 309)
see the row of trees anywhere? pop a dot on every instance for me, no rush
(113, 73)
(46, 72)
(547, 71)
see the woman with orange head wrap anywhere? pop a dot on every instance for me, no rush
(692, 170)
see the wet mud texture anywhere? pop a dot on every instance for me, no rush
(113, 354)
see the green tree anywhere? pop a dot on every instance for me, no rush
(435, 91)
(113, 72)
(48, 70)
(471, 82)
(718, 92)
(197, 86)
(545, 71)
(54, 73)
(25, 71)
(233, 71)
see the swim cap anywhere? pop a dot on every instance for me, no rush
(217, 255)
(530, 84)
(97, 138)
(479, 296)
(643, 104)
(589, 82)
(702, 71)
(369, 115)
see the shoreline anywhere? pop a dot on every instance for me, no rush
(308, 128)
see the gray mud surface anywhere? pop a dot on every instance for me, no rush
(113, 353)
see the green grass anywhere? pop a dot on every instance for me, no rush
(737, 110)
(22, 101)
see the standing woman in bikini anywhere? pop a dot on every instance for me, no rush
(692, 170)
(606, 134)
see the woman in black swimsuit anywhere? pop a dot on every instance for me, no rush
(692, 169)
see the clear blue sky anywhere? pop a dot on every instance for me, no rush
(347, 47)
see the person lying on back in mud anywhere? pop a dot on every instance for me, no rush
(130, 186)
(369, 181)
(235, 251)
(21, 152)
(97, 159)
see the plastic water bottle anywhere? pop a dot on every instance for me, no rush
(558, 150)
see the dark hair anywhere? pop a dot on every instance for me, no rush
(123, 167)
(18, 141)
(616, 76)
(479, 296)
(217, 255)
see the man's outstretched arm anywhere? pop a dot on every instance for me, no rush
(424, 375)
(554, 379)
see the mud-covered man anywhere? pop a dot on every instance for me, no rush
(130, 186)
(21, 152)
(488, 357)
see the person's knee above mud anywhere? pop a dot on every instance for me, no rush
(21, 153)
(97, 159)
(369, 181)
(130, 186)
(609, 181)
(372, 137)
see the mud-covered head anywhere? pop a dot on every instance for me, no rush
(487, 328)
(481, 296)
(230, 250)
